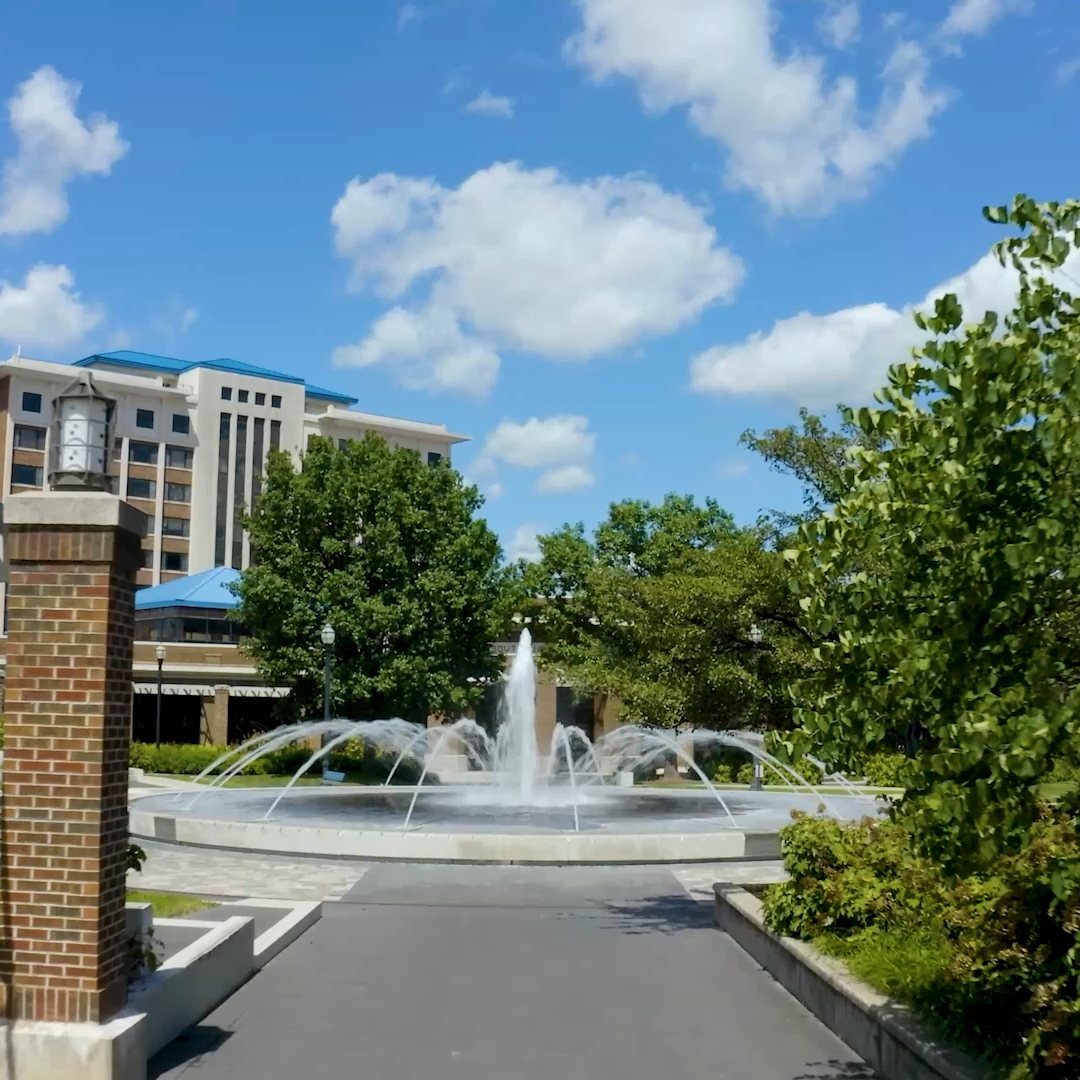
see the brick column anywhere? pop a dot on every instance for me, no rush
(72, 560)
(216, 712)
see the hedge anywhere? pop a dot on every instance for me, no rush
(190, 759)
(990, 960)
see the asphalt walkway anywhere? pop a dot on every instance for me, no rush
(504, 973)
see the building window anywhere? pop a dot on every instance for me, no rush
(151, 525)
(275, 401)
(117, 449)
(178, 493)
(141, 488)
(342, 443)
(260, 399)
(144, 418)
(148, 558)
(29, 438)
(181, 424)
(226, 393)
(433, 458)
(175, 562)
(242, 395)
(178, 457)
(239, 491)
(257, 460)
(143, 453)
(31, 402)
(221, 520)
(275, 434)
(27, 475)
(174, 526)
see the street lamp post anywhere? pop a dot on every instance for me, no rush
(759, 770)
(159, 652)
(328, 637)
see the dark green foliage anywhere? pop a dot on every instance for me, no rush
(388, 550)
(658, 610)
(987, 957)
(190, 759)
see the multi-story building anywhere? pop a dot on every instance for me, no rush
(190, 446)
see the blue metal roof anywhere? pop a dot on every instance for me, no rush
(170, 365)
(327, 395)
(206, 590)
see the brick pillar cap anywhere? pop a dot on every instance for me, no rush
(86, 509)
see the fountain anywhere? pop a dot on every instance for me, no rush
(519, 806)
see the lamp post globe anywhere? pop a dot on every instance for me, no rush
(81, 437)
(757, 781)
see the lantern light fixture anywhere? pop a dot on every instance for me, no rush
(82, 434)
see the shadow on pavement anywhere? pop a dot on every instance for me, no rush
(186, 1050)
(837, 1070)
(665, 914)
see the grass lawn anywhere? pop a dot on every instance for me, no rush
(169, 905)
(827, 790)
(257, 781)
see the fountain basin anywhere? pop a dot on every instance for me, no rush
(474, 825)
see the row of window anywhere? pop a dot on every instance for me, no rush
(242, 397)
(173, 562)
(189, 628)
(433, 458)
(144, 418)
(176, 457)
(140, 488)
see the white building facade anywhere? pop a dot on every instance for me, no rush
(190, 443)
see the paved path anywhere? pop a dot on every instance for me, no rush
(504, 973)
(169, 868)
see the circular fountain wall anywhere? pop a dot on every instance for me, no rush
(523, 806)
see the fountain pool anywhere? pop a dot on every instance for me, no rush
(524, 803)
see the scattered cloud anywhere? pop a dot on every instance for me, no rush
(488, 104)
(561, 446)
(892, 20)
(427, 350)
(408, 13)
(45, 311)
(1067, 70)
(817, 360)
(525, 544)
(731, 470)
(839, 23)
(977, 16)
(53, 148)
(798, 139)
(524, 260)
(119, 339)
(495, 491)
(173, 320)
(568, 478)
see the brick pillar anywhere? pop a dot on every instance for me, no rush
(216, 711)
(72, 560)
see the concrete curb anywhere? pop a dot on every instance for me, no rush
(883, 1033)
(303, 915)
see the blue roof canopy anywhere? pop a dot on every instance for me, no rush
(206, 590)
(171, 366)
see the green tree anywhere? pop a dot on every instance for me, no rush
(818, 457)
(388, 551)
(659, 609)
(944, 583)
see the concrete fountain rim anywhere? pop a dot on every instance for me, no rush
(509, 848)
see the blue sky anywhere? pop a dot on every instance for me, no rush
(602, 237)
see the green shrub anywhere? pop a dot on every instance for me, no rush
(190, 759)
(991, 959)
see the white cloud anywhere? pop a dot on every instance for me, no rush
(839, 24)
(797, 138)
(54, 147)
(565, 479)
(408, 13)
(817, 360)
(561, 446)
(524, 544)
(977, 16)
(1067, 70)
(487, 104)
(732, 470)
(45, 310)
(495, 491)
(528, 260)
(428, 352)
